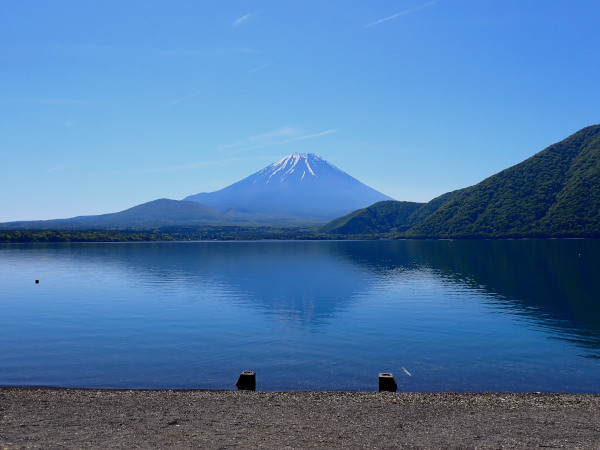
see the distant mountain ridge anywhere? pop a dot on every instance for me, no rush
(299, 189)
(302, 187)
(555, 193)
(162, 212)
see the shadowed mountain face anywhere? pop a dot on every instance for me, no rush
(301, 187)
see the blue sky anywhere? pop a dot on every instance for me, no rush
(106, 105)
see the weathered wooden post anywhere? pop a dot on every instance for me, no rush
(247, 381)
(387, 383)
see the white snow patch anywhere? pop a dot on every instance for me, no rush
(280, 165)
(288, 165)
(309, 168)
(290, 170)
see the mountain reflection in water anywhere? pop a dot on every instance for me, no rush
(553, 282)
(462, 315)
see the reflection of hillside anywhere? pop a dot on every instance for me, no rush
(299, 282)
(312, 282)
(545, 280)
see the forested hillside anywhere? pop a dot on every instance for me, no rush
(555, 193)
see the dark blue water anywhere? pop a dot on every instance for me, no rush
(441, 315)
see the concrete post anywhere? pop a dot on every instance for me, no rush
(247, 381)
(387, 383)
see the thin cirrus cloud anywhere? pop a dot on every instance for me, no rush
(163, 169)
(243, 20)
(283, 131)
(401, 13)
(308, 136)
(55, 169)
(259, 68)
(180, 167)
(187, 97)
(281, 136)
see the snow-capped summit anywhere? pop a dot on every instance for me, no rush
(300, 188)
(297, 166)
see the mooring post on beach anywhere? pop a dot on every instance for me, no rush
(387, 382)
(247, 381)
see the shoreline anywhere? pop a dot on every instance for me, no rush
(34, 417)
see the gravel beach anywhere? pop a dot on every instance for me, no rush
(90, 418)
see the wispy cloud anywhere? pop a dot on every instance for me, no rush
(259, 68)
(185, 53)
(259, 140)
(187, 97)
(243, 20)
(283, 131)
(401, 13)
(280, 136)
(165, 169)
(177, 168)
(309, 136)
(54, 169)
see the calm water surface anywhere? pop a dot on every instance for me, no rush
(441, 315)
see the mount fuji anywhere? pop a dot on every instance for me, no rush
(300, 188)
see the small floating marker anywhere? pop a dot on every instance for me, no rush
(387, 383)
(37, 281)
(414, 263)
(247, 381)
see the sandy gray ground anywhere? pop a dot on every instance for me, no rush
(86, 418)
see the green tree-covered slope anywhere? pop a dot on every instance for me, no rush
(382, 217)
(390, 219)
(555, 193)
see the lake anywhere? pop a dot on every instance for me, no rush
(510, 315)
